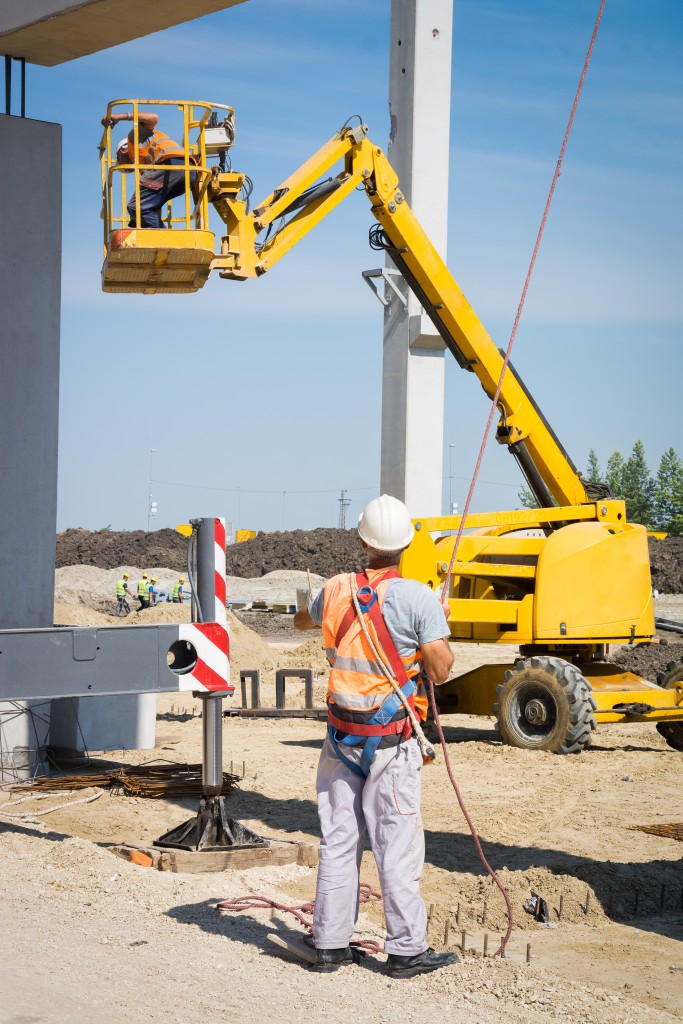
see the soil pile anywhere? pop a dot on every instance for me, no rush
(666, 564)
(649, 660)
(324, 551)
(109, 549)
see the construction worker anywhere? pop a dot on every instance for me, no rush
(122, 593)
(143, 592)
(369, 770)
(158, 184)
(178, 590)
(151, 592)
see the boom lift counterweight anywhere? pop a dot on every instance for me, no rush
(582, 583)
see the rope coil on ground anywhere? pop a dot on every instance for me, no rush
(300, 910)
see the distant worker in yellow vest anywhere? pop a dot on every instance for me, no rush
(178, 591)
(368, 777)
(122, 593)
(158, 183)
(143, 592)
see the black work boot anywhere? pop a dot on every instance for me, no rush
(331, 959)
(421, 963)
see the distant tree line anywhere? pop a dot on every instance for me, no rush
(656, 502)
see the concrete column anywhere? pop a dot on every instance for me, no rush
(30, 281)
(413, 361)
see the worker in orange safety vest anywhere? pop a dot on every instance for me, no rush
(369, 770)
(157, 153)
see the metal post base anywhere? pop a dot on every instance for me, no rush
(211, 829)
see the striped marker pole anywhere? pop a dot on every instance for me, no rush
(219, 584)
(209, 638)
(211, 670)
(210, 675)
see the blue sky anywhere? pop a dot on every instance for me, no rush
(262, 399)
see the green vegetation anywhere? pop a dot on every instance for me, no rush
(656, 502)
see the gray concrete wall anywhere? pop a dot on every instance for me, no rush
(30, 280)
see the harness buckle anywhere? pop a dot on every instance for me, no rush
(366, 598)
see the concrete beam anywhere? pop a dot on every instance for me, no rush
(50, 32)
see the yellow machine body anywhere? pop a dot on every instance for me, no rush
(560, 581)
(586, 582)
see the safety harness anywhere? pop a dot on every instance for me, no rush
(381, 724)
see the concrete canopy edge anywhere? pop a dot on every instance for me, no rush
(51, 32)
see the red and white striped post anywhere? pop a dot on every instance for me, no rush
(211, 674)
(209, 636)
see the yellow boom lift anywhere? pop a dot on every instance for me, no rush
(561, 581)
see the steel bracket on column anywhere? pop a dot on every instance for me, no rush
(386, 274)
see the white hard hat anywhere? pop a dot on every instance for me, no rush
(123, 144)
(385, 524)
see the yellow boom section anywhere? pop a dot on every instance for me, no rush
(303, 204)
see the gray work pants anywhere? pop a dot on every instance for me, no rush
(387, 804)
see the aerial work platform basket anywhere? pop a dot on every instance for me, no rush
(177, 256)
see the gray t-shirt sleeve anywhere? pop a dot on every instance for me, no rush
(413, 615)
(315, 607)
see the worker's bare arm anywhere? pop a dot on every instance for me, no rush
(303, 620)
(145, 119)
(437, 659)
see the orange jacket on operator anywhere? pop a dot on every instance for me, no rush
(356, 682)
(158, 148)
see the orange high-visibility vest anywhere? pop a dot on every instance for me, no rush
(356, 682)
(158, 148)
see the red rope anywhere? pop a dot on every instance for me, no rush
(299, 910)
(367, 895)
(494, 403)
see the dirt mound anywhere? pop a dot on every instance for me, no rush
(648, 660)
(666, 563)
(325, 551)
(108, 549)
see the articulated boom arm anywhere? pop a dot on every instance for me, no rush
(302, 201)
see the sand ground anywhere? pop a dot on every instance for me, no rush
(89, 936)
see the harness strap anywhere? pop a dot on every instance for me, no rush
(386, 643)
(357, 769)
(371, 732)
(362, 581)
(373, 727)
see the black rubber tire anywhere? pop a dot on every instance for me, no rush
(545, 704)
(671, 731)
